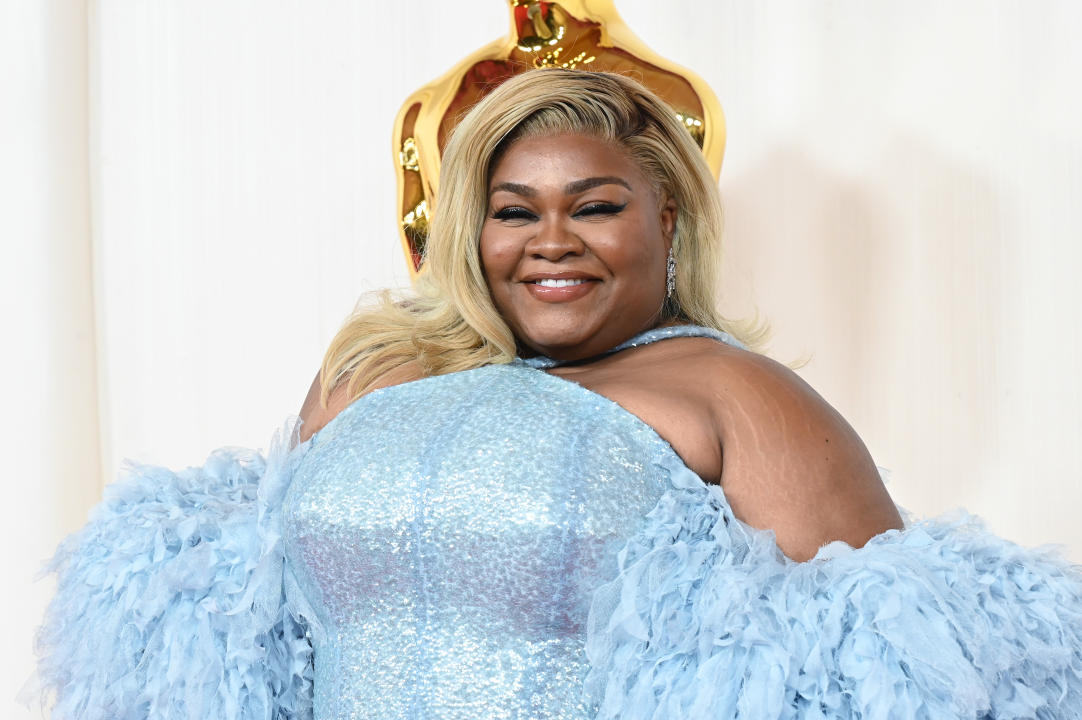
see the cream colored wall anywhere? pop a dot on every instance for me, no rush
(901, 183)
(48, 375)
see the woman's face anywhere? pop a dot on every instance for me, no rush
(574, 245)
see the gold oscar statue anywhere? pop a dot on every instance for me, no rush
(568, 33)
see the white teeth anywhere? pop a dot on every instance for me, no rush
(558, 283)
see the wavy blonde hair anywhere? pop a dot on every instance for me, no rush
(450, 323)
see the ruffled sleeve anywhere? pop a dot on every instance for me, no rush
(941, 620)
(170, 602)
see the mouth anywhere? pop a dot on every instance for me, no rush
(559, 287)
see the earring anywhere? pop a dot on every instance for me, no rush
(670, 274)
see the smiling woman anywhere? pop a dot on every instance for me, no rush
(576, 266)
(556, 484)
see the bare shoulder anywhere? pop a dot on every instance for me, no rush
(315, 415)
(791, 462)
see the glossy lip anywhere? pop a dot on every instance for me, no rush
(559, 294)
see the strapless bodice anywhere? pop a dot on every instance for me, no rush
(447, 535)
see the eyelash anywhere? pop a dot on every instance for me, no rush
(513, 213)
(519, 213)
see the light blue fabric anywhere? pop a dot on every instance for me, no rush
(200, 594)
(169, 602)
(707, 619)
(448, 535)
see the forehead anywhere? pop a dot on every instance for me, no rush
(556, 159)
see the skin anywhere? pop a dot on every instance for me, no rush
(572, 206)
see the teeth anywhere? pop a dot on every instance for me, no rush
(558, 283)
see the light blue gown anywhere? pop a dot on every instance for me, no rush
(504, 543)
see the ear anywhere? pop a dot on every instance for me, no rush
(668, 220)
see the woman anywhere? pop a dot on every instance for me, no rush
(532, 491)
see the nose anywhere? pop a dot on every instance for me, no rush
(554, 241)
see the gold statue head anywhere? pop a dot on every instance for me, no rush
(568, 34)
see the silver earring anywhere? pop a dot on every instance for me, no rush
(670, 274)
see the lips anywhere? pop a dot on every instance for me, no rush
(559, 287)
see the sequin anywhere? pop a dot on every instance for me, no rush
(447, 536)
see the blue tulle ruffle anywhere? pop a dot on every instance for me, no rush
(707, 619)
(169, 602)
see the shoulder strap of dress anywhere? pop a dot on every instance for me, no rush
(646, 338)
(673, 331)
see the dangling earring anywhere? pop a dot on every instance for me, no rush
(670, 275)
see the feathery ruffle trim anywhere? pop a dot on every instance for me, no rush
(707, 619)
(170, 603)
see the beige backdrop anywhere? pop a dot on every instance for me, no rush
(194, 194)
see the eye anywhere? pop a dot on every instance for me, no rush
(513, 212)
(600, 208)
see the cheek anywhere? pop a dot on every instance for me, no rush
(498, 258)
(490, 254)
(640, 247)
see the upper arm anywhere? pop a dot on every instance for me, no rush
(791, 463)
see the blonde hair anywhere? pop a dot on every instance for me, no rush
(450, 324)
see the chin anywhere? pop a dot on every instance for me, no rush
(554, 338)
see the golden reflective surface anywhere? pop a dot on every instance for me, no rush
(552, 59)
(538, 24)
(568, 33)
(407, 156)
(415, 228)
(694, 125)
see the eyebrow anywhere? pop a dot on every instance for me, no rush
(516, 188)
(572, 188)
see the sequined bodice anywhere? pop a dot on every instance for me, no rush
(445, 538)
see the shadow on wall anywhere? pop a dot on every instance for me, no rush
(888, 279)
